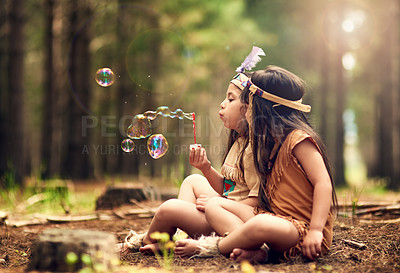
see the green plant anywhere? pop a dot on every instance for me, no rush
(9, 188)
(71, 259)
(355, 199)
(89, 265)
(166, 247)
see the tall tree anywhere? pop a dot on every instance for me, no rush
(127, 163)
(77, 164)
(3, 85)
(387, 157)
(396, 90)
(54, 96)
(16, 153)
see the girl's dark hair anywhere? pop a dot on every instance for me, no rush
(242, 132)
(270, 123)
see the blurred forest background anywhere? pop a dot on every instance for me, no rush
(57, 122)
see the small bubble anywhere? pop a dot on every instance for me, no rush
(105, 77)
(148, 76)
(157, 146)
(127, 145)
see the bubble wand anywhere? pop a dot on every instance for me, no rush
(194, 127)
(195, 145)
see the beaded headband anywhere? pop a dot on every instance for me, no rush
(240, 81)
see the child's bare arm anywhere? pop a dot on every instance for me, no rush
(198, 159)
(311, 161)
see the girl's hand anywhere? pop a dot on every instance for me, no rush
(312, 244)
(198, 159)
(201, 202)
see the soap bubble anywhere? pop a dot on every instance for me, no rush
(157, 146)
(140, 127)
(166, 112)
(105, 77)
(127, 145)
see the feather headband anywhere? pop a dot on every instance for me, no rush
(240, 80)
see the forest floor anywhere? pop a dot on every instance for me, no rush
(368, 243)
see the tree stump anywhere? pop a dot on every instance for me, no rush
(116, 196)
(85, 248)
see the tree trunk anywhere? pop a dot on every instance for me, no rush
(387, 120)
(15, 128)
(128, 163)
(324, 88)
(396, 90)
(154, 64)
(3, 86)
(53, 248)
(54, 95)
(340, 106)
(393, 79)
(77, 164)
(396, 73)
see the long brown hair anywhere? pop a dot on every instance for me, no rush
(270, 123)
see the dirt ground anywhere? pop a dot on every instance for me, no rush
(379, 234)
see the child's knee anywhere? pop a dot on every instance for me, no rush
(193, 178)
(167, 209)
(259, 227)
(195, 182)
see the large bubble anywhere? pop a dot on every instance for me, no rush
(105, 77)
(139, 128)
(157, 146)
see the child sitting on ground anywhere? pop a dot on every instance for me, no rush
(296, 196)
(238, 181)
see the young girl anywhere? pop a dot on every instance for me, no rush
(296, 196)
(238, 181)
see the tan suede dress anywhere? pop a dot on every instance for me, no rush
(238, 186)
(291, 193)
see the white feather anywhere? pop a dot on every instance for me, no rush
(251, 60)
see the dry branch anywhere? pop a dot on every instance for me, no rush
(387, 208)
(355, 244)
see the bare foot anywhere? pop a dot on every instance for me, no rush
(123, 249)
(239, 255)
(186, 248)
(150, 249)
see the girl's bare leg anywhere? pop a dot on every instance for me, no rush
(193, 186)
(181, 213)
(173, 214)
(223, 215)
(244, 242)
